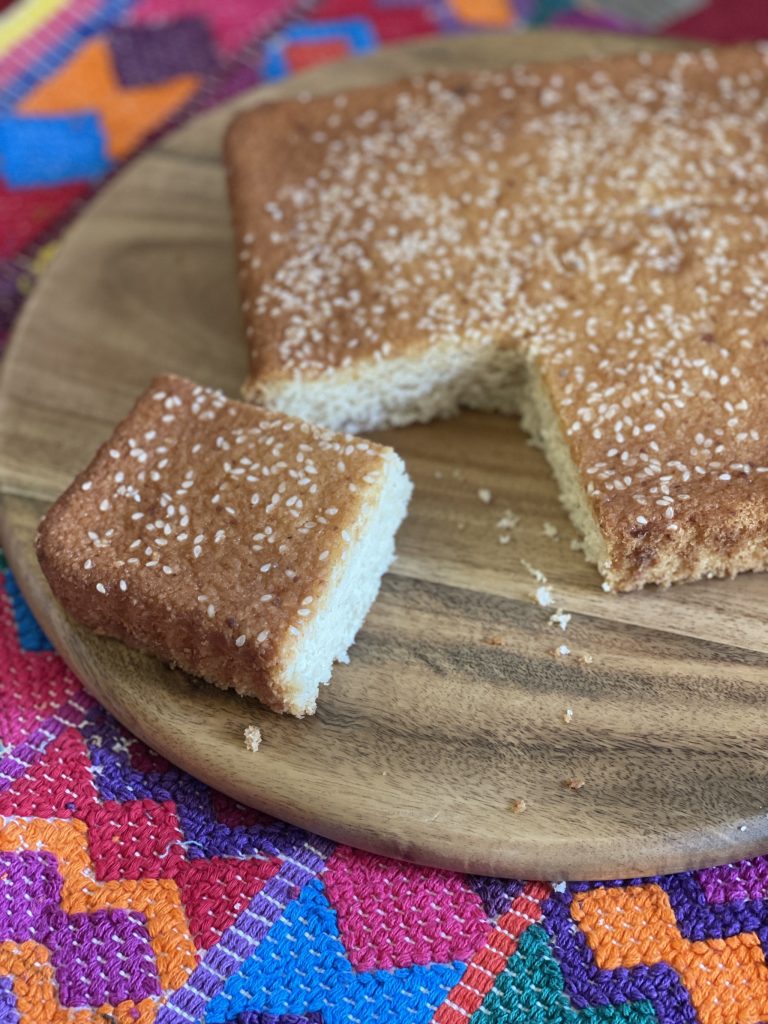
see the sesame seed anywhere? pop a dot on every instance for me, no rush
(101, 588)
(240, 640)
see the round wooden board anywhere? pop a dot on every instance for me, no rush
(420, 745)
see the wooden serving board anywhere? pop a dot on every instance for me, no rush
(423, 742)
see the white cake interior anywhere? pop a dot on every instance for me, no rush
(352, 588)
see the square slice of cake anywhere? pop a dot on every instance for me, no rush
(241, 545)
(582, 242)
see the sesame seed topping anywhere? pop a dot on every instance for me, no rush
(161, 512)
(605, 221)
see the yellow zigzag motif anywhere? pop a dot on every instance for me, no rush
(158, 900)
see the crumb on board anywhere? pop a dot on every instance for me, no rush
(587, 659)
(504, 538)
(568, 715)
(252, 737)
(549, 530)
(508, 521)
(544, 597)
(518, 806)
(460, 526)
(742, 828)
(575, 782)
(577, 545)
(562, 651)
(494, 640)
(485, 495)
(537, 574)
(606, 586)
(560, 618)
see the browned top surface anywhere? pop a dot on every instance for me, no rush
(608, 216)
(233, 513)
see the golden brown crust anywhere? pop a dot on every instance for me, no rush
(205, 531)
(608, 218)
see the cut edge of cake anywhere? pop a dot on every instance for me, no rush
(350, 593)
(428, 383)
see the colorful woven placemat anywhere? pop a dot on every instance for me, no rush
(130, 892)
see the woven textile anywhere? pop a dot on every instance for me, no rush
(131, 893)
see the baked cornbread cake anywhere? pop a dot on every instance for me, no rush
(584, 243)
(240, 544)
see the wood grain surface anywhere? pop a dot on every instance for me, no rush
(453, 705)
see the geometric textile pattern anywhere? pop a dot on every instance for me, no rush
(432, 916)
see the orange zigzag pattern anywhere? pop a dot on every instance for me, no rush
(727, 979)
(158, 900)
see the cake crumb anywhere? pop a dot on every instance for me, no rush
(495, 640)
(518, 806)
(606, 586)
(252, 736)
(568, 715)
(587, 659)
(504, 538)
(562, 651)
(550, 530)
(575, 782)
(508, 520)
(485, 495)
(560, 618)
(537, 574)
(577, 545)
